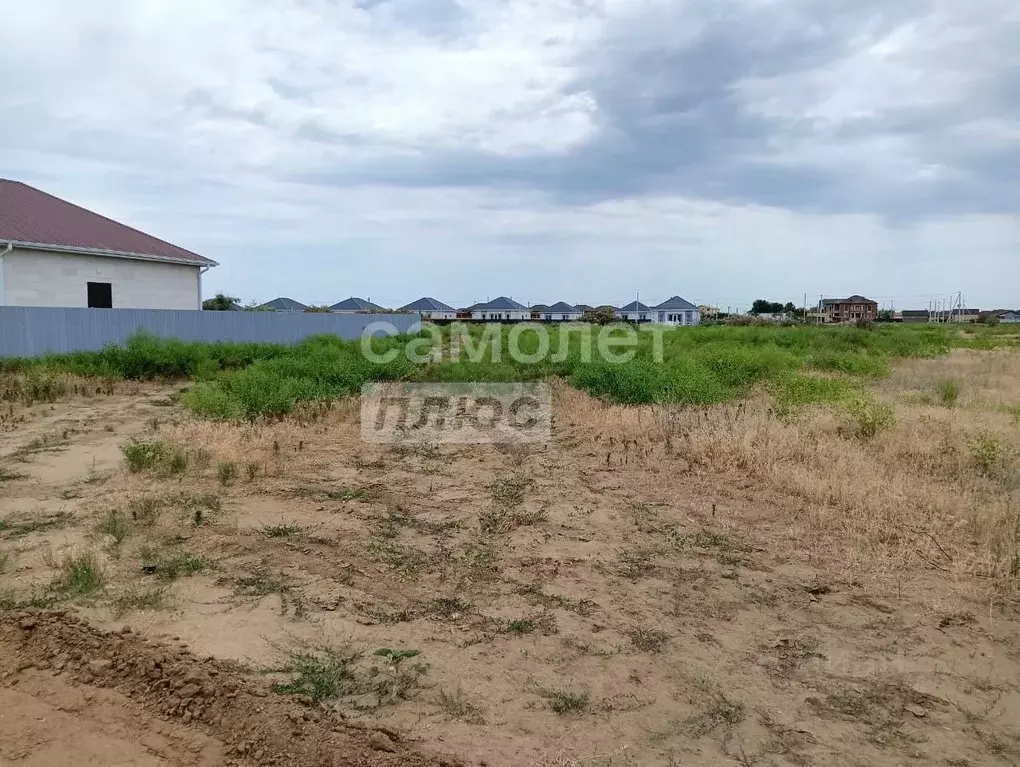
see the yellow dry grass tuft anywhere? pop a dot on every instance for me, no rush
(939, 488)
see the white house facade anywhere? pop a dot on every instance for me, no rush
(54, 253)
(430, 309)
(636, 311)
(560, 312)
(501, 308)
(677, 311)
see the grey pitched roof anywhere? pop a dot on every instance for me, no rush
(356, 305)
(427, 304)
(502, 304)
(284, 305)
(583, 307)
(562, 307)
(539, 307)
(634, 306)
(676, 304)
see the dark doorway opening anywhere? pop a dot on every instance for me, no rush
(100, 295)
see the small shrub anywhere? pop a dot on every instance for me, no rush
(494, 521)
(9, 476)
(633, 563)
(400, 680)
(201, 458)
(261, 583)
(948, 391)
(567, 702)
(176, 463)
(520, 627)
(1013, 410)
(989, 453)
(721, 714)
(346, 494)
(251, 470)
(648, 640)
(226, 472)
(509, 489)
(869, 417)
(144, 454)
(80, 576)
(457, 706)
(145, 510)
(179, 565)
(115, 525)
(41, 385)
(281, 531)
(323, 673)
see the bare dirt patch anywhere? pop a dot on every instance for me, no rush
(653, 587)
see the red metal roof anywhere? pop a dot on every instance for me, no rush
(30, 216)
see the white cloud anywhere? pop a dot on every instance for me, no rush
(199, 120)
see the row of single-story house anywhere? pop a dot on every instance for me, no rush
(673, 311)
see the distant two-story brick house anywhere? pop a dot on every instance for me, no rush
(852, 309)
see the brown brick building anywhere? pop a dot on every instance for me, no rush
(852, 309)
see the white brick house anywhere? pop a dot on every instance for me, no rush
(54, 253)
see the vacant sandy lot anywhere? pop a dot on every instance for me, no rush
(727, 586)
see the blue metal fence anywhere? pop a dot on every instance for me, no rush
(33, 331)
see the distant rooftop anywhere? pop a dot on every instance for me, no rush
(634, 306)
(676, 304)
(284, 305)
(501, 304)
(562, 307)
(427, 304)
(356, 305)
(854, 299)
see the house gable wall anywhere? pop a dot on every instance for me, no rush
(48, 278)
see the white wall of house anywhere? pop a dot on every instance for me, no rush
(47, 278)
(429, 314)
(501, 315)
(637, 316)
(560, 317)
(678, 318)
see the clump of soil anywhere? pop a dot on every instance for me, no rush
(243, 722)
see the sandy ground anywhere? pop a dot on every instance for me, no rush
(583, 602)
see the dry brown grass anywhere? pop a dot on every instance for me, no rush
(937, 490)
(272, 447)
(44, 386)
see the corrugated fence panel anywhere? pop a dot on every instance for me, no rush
(33, 331)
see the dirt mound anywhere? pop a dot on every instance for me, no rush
(204, 695)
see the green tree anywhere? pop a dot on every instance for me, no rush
(764, 306)
(220, 303)
(601, 316)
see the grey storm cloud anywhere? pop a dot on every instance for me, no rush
(672, 118)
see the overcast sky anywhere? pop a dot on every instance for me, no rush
(578, 150)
